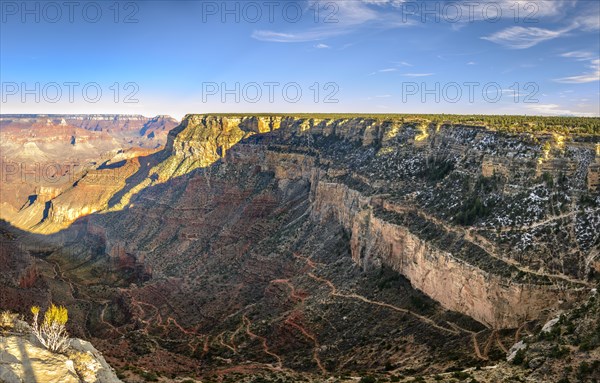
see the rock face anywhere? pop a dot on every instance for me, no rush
(57, 168)
(497, 301)
(22, 360)
(135, 130)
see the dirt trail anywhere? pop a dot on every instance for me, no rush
(106, 323)
(262, 340)
(293, 292)
(334, 292)
(219, 338)
(476, 347)
(59, 275)
(501, 345)
(488, 343)
(314, 340)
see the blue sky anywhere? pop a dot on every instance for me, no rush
(372, 56)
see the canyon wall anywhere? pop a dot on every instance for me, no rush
(497, 226)
(484, 282)
(457, 285)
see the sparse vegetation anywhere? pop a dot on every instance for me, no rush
(506, 123)
(368, 379)
(52, 331)
(7, 319)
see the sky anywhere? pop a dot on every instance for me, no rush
(362, 56)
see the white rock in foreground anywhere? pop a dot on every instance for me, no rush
(512, 353)
(23, 360)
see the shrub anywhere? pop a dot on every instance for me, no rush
(149, 376)
(368, 379)
(460, 375)
(584, 370)
(51, 332)
(7, 319)
(558, 352)
(519, 357)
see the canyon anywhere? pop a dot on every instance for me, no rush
(282, 244)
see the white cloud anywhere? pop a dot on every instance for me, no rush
(349, 15)
(579, 55)
(593, 64)
(394, 3)
(589, 21)
(592, 76)
(280, 37)
(417, 74)
(557, 110)
(521, 11)
(471, 63)
(385, 70)
(583, 19)
(322, 46)
(524, 37)
(531, 9)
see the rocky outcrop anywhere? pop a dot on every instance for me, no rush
(23, 360)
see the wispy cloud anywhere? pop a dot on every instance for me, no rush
(280, 37)
(322, 46)
(417, 74)
(524, 37)
(579, 55)
(588, 20)
(350, 15)
(487, 10)
(591, 76)
(517, 37)
(385, 70)
(539, 8)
